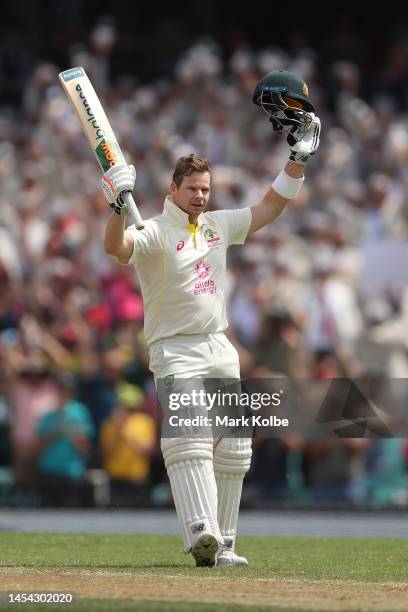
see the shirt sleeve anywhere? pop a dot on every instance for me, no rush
(146, 243)
(235, 224)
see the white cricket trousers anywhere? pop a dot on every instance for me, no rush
(206, 483)
(195, 356)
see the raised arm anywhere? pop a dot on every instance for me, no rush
(288, 183)
(118, 241)
(116, 182)
(284, 98)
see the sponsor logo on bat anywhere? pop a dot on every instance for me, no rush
(99, 133)
(108, 154)
(68, 75)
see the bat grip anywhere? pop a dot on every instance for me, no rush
(133, 210)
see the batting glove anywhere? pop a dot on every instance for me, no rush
(306, 144)
(117, 181)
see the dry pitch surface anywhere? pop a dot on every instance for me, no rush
(290, 593)
(285, 573)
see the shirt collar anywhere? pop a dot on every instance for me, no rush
(176, 215)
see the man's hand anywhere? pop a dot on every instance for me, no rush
(306, 144)
(115, 183)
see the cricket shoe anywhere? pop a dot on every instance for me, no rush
(205, 550)
(228, 557)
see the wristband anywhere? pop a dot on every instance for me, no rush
(286, 186)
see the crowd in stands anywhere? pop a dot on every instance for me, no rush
(321, 293)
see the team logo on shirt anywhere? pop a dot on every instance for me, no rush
(169, 380)
(211, 237)
(180, 245)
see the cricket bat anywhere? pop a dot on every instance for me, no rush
(96, 126)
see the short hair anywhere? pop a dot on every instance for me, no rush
(189, 164)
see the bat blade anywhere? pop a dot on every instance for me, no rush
(96, 126)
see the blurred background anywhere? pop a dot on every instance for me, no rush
(322, 293)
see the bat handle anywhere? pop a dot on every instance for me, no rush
(133, 210)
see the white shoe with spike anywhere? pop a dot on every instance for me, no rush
(230, 558)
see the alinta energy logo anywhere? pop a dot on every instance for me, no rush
(204, 284)
(202, 269)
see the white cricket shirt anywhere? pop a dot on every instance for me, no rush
(182, 269)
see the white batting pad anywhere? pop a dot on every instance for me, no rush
(232, 459)
(189, 464)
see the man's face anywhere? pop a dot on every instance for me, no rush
(192, 194)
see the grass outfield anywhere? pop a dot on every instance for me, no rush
(149, 573)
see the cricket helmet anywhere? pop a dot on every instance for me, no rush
(284, 96)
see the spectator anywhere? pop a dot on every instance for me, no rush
(62, 448)
(128, 440)
(385, 475)
(332, 469)
(299, 302)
